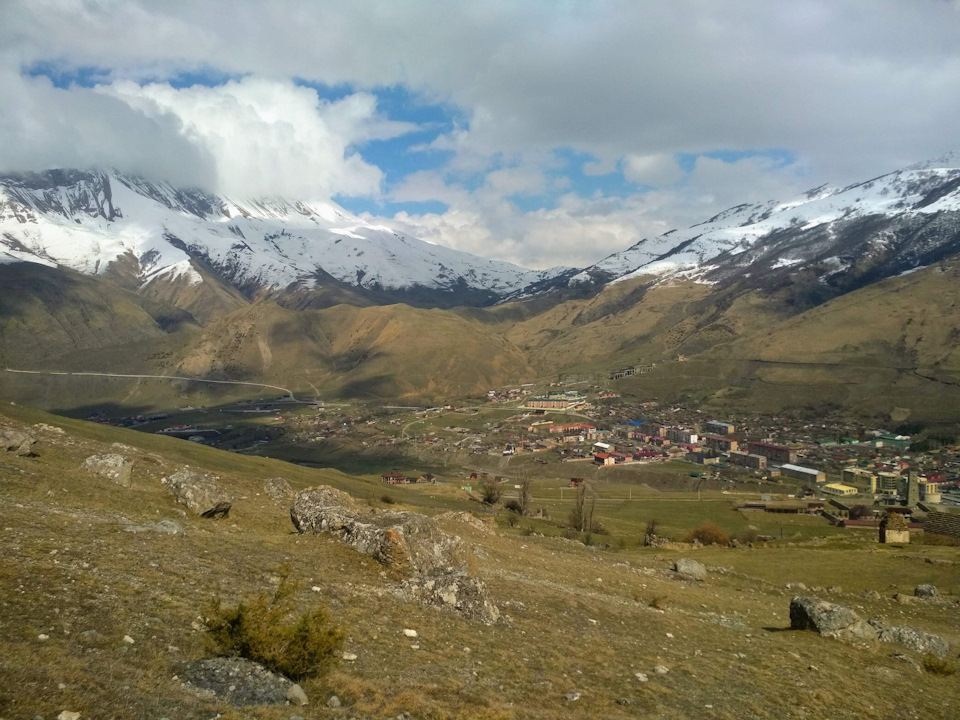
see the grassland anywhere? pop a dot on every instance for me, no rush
(577, 618)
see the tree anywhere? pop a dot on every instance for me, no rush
(490, 491)
(525, 495)
(581, 517)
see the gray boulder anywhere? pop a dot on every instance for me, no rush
(830, 620)
(689, 569)
(199, 493)
(164, 527)
(914, 639)
(925, 591)
(112, 466)
(236, 681)
(404, 541)
(277, 488)
(20, 443)
(409, 544)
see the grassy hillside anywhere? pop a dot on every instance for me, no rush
(577, 619)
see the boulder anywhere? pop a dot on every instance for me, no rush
(408, 543)
(164, 527)
(277, 488)
(914, 639)
(112, 466)
(236, 681)
(925, 591)
(458, 591)
(830, 620)
(466, 518)
(199, 493)
(402, 540)
(689, 569)
(20, 443)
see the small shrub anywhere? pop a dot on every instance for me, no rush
(748, 536)
(265, 630)
(490, 491)
(514, 507)
(938, 666)
(526, 530)
(513, 518)
(388, 499)
(571, 534)
(658, 602)
(708, 534)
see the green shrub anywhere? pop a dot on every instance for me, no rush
(708, 534)
(938, 666)
(388, 499)
(266, 630)
(513, 506)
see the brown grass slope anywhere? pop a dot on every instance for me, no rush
(577, 619)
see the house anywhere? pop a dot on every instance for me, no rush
(757, 462)
(777, 453)
(576, 482)
(719, 427)
(602, 458)
(838, 489)
(679, 435)
(392, 477)
(719, 443)
(427, 478)
(803, 473)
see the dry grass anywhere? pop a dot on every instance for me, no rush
(577, 619)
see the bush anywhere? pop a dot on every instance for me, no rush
(513, 518)
(514, 507)
(708, 534)
(265, 630)
(937, 666)
(490, 491)
(387, 499)
(747, 536)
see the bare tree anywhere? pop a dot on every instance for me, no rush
(525, 496)
(581, 517)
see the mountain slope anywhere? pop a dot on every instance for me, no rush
(88, 220)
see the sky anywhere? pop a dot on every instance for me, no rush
(541, 133)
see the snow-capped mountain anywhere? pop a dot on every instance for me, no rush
(895, 223)
(88, 220)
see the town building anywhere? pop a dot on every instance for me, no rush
(859, 476)
(745, 459)
(720, 444)
(776, 453)
(803, 473)
(679, 435)
(719, 427)
(839, 489)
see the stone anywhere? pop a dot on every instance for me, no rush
(571, 696)
(41, 637)
(200, 493)
(128, 640)
(407, 543)
(334, 702)
(830, 620)
(277, 488)
(466, 518)
(349, 656)
(915, 639)
(164, 527)
(114, 467)
(661, 669)
(236, 681)
(642, 677)
(296, 696)
(20, 443)
(925, 591)
(870, 595)
(410, 633)
(69, 715)
(905, 599)
(690, 569)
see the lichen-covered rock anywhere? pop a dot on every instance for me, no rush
(466, 518)
(914, 639)
(830, 620)
(199, 493)
(112, 466)
(18, 442)
(690, 569)
(458, 591)
(404, 541)
(277, 488)
(407, 542)
(925, 591)
(236, 681)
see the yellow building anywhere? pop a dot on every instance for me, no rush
(838, 489)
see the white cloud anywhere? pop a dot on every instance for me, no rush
(654, 170)
(272, 137)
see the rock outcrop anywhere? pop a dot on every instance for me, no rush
(277, 488)
(200, 493)
(690, 569)
(912, 638)
(236, 681)
(408, 543)
(20, 443)
(112, 466)
(830, 620)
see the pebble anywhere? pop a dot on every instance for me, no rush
(571, 696)
(317, 588)
(68, 715)
(661, 669)
(409, 633)
(128, 640)
(297, 696)
(41, 636)
(642, 677)
(333, 702)
(349, 657)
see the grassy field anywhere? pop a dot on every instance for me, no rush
(576, 618)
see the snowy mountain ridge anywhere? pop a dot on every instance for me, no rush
(88, 220)
(824, 224)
